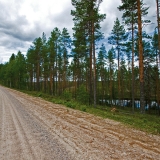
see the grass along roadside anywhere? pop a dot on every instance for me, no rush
(143, 122)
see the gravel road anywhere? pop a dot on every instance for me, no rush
(34, 129)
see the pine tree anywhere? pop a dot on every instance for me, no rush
(101, 63)
(141, 66)
(59, 71)
(45, 62)
(87, 17)
(79, 54)
(158, 28)
(30, 64)
(149, 73)
(154, 43)
(10, 74)
(37, 51)
(130, 19)
(117, 38)
(20, 68)
(110, 60)
(53, 43)
(65, 45)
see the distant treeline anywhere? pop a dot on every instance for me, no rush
(81, 67)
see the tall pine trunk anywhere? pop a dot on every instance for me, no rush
(158, 65)
(90, 78)
(119, 82)
(94, 65)
(91, 55)
(111, 84)
(132, 68)
(141, 65)
(38, 76)
(51, 80)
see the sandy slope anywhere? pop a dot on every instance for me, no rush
(31, 128)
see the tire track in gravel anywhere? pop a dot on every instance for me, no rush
(76, 135)
(12, 134)
(107, 135)
(22, 136)
(8, 136)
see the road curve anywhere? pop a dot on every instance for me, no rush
(34, 129)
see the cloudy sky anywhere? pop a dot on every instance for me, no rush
(21, 21)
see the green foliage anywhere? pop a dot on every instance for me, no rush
(67, 95)
(129, 8)
(83, 108)
(118, 35)
(82, 95)
(39, 95)
(57, 100)
(144, 122)
(71, 105)
(101, 59)
(60, 101)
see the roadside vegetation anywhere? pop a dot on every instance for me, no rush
(144, 122)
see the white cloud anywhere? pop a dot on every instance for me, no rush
(21, 21)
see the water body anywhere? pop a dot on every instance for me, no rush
(128, 103)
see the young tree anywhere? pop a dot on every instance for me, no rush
(20, 68)
(110, 60)
(101, 63)
(155, 44)
(130, 19)
(79, 54)
(10, 71)
(149, 72)
(34, 63)
(117, 38)
(37, 51)
(53, 43)
(45, 62)
(60, 71)
(65, 45)
(30, 65)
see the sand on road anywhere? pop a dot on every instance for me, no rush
(34, 129)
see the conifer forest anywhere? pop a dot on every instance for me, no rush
(81, 67)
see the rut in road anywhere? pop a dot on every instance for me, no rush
(43, 130)
(22, 136)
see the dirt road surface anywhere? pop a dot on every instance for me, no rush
(33, 129)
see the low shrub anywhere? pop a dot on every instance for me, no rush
(83, 108)
(70, 105)
(67, 95)
(82, 95)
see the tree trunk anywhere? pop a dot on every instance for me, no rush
(94, 65)
(158, 66)
(51, 80)
(111, 86)
(91, 62)
(90, 78)
(37, 76)
(119, 83)
(141, 66)
(132, 67)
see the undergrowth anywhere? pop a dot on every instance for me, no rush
(143, 122)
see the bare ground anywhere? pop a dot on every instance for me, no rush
(34, 129)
